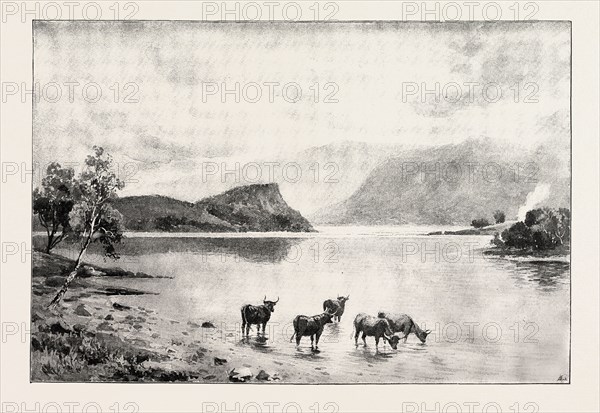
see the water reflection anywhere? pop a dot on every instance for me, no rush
(259, 250)
(545, 275)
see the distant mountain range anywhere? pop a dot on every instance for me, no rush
(453, 184)
(354, 183)
(259, 208)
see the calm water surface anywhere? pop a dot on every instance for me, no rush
(494, 320)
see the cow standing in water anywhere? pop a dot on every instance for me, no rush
(310, 326)
(402, 323)
(375, 327)
(336, 307)
(257, 314)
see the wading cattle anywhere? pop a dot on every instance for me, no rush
(336, 307)
(257, 314)
(401, 323)
(310, 326)
(375, 327)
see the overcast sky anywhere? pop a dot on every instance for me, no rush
(371, 69)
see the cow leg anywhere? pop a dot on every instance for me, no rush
(377, 344)
(298, 337)
(356, 338)
(243, 327)
(247, 329)
(312, 340)
(364, 338)
(317, 341)
(264, 326)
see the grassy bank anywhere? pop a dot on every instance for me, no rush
(94, 336)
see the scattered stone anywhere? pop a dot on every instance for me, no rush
(155, 335)
(246, 365)
(104, 326)
(208, 324)
(36, 344)
(137, 326)
(35, 316)
(191, 324)
(218, 361)
(263, 375)
(240, 374)
(171, 350)
(83, 310)
(120, 307)
(109, 317)
(209, 377)
(176, 342)
(197, 356)
(174, 322)
(89, 271)
(60, 327)
(79, 328)
(185, 333)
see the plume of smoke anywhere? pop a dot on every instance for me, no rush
(534, 198)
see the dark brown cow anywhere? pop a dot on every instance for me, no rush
(257, 314)
(402, 323)
(375, 327)
(310, 326)
(336, 307)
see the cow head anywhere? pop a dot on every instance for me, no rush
(327, 317)
(270, 304)
(393, 341)
(343, 299)
(423, 335)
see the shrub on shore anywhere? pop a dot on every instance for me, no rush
(542, 229)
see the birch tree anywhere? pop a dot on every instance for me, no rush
(92, 218)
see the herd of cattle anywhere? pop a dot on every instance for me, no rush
(388, 326)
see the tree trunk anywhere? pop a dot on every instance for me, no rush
(49, 245)
(63, 290)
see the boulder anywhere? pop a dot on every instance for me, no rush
(60, 327)
(104, 326)
(219, 361)
(267, 376)
(83, 310)
(208, 324)
(79, 328)
(89, 271)
(120, 307)
(240, 374)
(109, 317)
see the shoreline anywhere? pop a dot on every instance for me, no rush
(96, 336)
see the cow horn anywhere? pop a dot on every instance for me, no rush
(277, 299)
(265, 299)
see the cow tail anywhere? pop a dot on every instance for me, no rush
(292, 337)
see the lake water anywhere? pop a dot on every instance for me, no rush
(494, 319)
